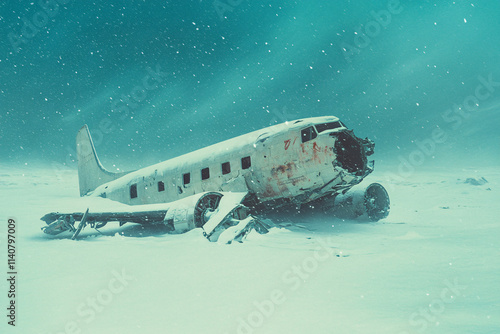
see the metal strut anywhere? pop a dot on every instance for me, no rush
(81, 226)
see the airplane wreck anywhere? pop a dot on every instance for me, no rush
(227, 188)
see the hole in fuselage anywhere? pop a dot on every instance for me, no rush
(350, 154)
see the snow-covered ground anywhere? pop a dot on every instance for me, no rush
(431, 267)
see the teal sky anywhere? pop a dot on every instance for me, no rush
(265, 62)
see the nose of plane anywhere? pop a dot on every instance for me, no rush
(352, 151)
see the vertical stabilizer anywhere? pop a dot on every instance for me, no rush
(91, 173)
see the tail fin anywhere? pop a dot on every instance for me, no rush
(91, 173)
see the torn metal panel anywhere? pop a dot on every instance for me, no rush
(227, 206)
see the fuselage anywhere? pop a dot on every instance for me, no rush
(294, 162)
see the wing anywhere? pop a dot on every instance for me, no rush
(214, 212)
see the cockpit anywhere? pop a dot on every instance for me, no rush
(351, 151)
(328, 126)
(311, 132)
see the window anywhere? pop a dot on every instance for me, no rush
(246, 163)
(226, 168)
(205, 173)
(133, 191)
(186, 178)
(328, 126)
(308, 134)
(161, 186)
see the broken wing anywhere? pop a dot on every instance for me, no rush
(214, 212)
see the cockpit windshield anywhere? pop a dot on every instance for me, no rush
(328, 126)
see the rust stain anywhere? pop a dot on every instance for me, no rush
(269, 191)
(316, 149)
(302, 146)
(287, 169)
(287, 144)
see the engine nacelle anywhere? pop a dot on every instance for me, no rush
(191, 212)
(360, 202)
